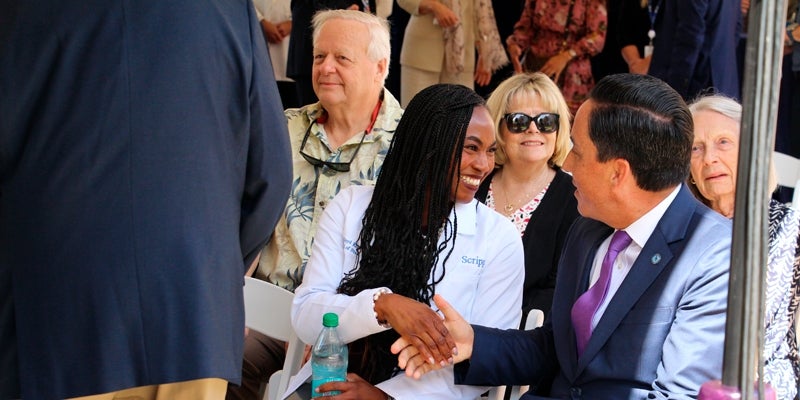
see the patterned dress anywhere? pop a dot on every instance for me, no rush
(782, 365)
(541, 30)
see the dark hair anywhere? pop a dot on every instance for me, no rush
(398, 244)
(641, 119)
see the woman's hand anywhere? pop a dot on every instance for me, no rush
(271, 32)
(555, 65)
(419, 325)
(409, 357)
(640, 66)
(514, 52)
(482, 75)
(284, 28)
(354, 388)
(445, 17)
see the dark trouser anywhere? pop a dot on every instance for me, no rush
(262, 357)
(794, 137)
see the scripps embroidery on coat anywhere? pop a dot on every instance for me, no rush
(478, 262)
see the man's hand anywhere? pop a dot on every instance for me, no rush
(355, 388)
(419, 325)
(415, 364)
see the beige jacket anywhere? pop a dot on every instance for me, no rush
(423, 44)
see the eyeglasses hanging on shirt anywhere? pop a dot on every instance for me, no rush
(337, 166)
(652, 11)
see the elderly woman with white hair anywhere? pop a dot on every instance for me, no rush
(714, 163)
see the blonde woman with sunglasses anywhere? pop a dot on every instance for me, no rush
(528, 185)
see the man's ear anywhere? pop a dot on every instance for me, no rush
(383, 64)
(621, 170)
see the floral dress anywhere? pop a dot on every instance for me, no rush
(541, 30)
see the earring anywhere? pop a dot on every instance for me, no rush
(692, 180)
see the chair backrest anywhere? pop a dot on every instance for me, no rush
(788, 171)
(267, 309)
(534, 320)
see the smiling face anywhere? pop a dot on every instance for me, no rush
(477, 156)
(715, 155)
(343, 72)
(531, 146)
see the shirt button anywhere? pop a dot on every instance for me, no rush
(322, 203)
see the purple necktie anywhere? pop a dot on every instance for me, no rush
(584, 308)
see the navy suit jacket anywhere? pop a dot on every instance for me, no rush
(695, 46)
(144, 160)
(662, 334)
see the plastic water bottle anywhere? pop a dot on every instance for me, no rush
(328, 357)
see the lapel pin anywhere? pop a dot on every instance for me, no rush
(655, 259)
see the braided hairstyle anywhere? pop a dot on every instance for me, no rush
(399, 241)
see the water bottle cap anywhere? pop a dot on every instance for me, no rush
(330, 320)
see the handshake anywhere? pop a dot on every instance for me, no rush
(416, 356)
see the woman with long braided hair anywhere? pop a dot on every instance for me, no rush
(380, 254)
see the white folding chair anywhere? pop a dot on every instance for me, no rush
(267, 309)
(535, 319)
(788, 171)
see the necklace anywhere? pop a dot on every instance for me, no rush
(511, 206)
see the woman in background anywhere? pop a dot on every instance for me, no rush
(441, 42)
(560, 38)
(713, 179)
(528, 185)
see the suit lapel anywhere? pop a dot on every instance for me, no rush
(655, 256)
(583, 259)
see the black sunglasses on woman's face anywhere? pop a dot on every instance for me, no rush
(519, 122)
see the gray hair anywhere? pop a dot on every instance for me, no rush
(732, 109)
(379, 47)
(719, 104)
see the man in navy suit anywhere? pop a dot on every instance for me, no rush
(144, 160)
(659, 330)
(695, 45)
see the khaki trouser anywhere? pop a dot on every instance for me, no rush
(200, 389)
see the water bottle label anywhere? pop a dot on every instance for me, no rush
(316, 382)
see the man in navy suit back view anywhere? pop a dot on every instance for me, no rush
(144, 161)
(659, 331)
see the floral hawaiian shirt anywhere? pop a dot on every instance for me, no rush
(284, 258)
